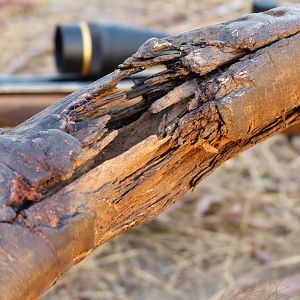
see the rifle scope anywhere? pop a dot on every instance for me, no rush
(92, 50)
(263, 5)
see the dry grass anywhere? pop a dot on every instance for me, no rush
(236, 236)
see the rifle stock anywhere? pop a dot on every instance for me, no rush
(21, 97)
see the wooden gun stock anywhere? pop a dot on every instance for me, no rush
(23, 97)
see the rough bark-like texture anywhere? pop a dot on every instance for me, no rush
(104, 160)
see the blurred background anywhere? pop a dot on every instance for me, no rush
(236, 236)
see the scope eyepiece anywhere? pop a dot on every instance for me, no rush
(92, 50)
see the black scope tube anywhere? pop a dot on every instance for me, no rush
(263, 5)
(92, 50)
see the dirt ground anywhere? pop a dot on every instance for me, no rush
(236, 236)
